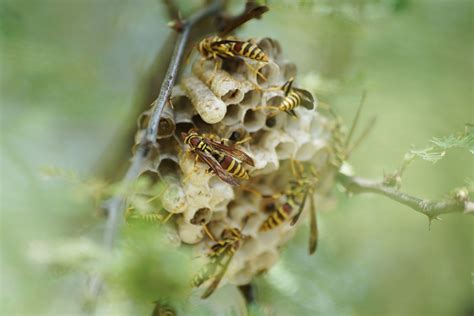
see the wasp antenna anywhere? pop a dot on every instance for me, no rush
(356, 118)
(294, 170)
(287, 86)
(362, 136)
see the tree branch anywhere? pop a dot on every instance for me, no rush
(430, 208)
(171, 74)
(116, 205)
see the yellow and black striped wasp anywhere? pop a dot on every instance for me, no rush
(225, 161)
(302, 188)
(223, 47)
(293, 98)
(214, 46)
(282, 206)
(220, 256)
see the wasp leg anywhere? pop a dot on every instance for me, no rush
(246, 139)
(270, 107)
(210, 171)
(244, 188)
(293, 168)
(297, 168)
(210, 136)
(273, 196)
(272, 88)
(208, 233)
(217, 66)
(255, 71)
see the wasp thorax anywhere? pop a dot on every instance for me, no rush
(242, 124)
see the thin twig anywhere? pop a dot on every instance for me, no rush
(171, 74)
(252, 10)
(116, 205)
(356, 117)
(430, 208)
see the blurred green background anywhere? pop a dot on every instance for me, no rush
(72, 70)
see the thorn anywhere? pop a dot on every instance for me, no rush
(177, 25)
(170, 103)
(431, 219)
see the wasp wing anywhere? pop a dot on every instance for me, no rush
(216, 256)
(287, 86)
(291, 113)
(313, 226)
(300, 210)
(225, 42)
(231, 151)
(216, 167)
(218, 277)
(307, 99)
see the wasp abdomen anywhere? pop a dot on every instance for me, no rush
(249, 50)
(290, 102)
(277, 217)
(233, 166)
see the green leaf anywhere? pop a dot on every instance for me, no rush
(429, 154)
(442, 144)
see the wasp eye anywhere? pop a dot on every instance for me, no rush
(270, 207)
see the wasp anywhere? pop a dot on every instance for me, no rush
(225, 161)
(279, 213)
(220, 256)
(282, 206)
(225, 46)
(219, 49)
(215, 46)
(293, 97)
(302, 188)
(278, 207)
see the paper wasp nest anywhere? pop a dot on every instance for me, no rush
(224, 103)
